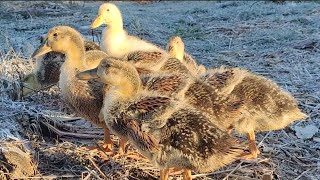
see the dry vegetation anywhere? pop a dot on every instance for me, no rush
(279, 41)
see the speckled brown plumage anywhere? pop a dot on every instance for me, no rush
(266, 106)
(224, 109)
(169, 133)
(172, 65)
(148, 62)
(264, 100)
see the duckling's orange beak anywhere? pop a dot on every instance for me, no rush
(87, 75)
(42, 49)
(97, 22)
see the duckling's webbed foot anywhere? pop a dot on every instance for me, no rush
(122, 145)
(107, 146)
(187, 174)
(254, 151)
(106, 150)
(164, 174)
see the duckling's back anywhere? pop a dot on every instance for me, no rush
(172, 134)
(271, 107)
(190, 140)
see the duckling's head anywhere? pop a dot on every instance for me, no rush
(117, 73)
(175, 47)
(108, 14)
(61, 39)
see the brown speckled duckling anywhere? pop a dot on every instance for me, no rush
(85, 97)
(47, 69)
(169, 133)
(197, 94)
(268, 106)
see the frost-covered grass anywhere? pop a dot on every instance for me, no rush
(279, 41)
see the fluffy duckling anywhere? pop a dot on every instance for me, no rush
(115, 40)
(199, 95)
(175, 60)
(175, 48)
(85, 97)
(169, 133)
(268, 106)
(47, 69)
(153, 61)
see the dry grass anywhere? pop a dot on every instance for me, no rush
(279, 41)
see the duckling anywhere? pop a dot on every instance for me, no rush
(85, 97)
(175, 60)
(47, 70)
(169, 133)
(115, 40)
(175, 47)
(268, 107)
(153, 61)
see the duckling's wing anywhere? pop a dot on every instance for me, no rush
(195, 138)
(148, 107)
(145, 57)
(216, 79)
(166, 84)
(173, 65)
(190, 63)
(145, 140)
(224, 79)
(90, 45)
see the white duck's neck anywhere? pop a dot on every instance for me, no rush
(116, 26)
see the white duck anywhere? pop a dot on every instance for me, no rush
(116, 42)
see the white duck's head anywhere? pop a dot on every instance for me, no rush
(108, 14)
(175, 47)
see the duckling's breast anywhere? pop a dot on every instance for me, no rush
(86, 97)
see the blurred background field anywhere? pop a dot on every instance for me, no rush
(280, 41)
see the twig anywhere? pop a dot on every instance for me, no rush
(234, 169)
(76, 135)
(304, 172)
(95, 165)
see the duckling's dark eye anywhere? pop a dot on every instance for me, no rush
(107, 9)
(55, 34)
(106, 65)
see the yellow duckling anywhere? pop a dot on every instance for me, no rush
(115, 40)
(47, 69)
(85, 97)
(169, 133)
(176, 48)
(268, 106)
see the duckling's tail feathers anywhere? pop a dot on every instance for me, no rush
(225, 157)
(297, 114)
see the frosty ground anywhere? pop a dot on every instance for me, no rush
(278, 41)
